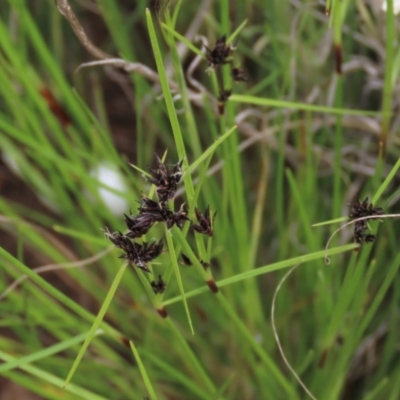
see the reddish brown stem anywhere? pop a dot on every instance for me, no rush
(323, 358)
(212, 285)
(125, 342)
(338, 58)
(55, 107)
(162, 312)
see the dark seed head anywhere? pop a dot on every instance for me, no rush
(238, 75)
(362, 210)
(159, 285)
(220, 54)
(205, 224)
(224, 95)
(166, 181)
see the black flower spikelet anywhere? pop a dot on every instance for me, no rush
(138, 225)
(177, 218)
(224, 95)
(159, 285)
(151, 209)
(205, 224)
(137, 254)
(360, 210)
(140, 254)
(238, 75)
(117, 238)
(220, 54)
(166, 181)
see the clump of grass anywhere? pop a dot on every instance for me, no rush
(152, 212)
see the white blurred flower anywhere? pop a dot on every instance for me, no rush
(109, 175)
(396, 6)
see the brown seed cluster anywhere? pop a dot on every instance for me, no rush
(220, 54)
(137, 254)
(205, 222)
(223, 54)
(360, 210)
(166, 181)
(159, 285)
(151, 212)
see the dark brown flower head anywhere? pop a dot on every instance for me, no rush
(205, 224)
(166, 193)
(166, 181)
(159, 174)
(238, 75)
(364, 209)
(177, 172)
(219, 55)
(369, 238)
(139, 225)
(224, 95)
(159, 285)
(140, 254)
(150, 209)
(137, 254)
(148, 205)
(117, 238)
(222, 99)
(150, 250)
(177, 218)
(360, 210)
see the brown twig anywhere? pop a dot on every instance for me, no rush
(65, 9)
(106, 59)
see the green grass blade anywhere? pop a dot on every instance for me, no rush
(56, 293)
(210, 150)
(79, 235)
(232, 37)
(29, 359)
(143, 372)
(330, 222)
(178, 276)
(386, 182)
(260, 101)
(267, 269)
(96, 322)
(182, 38)
(180, 147)
(51, 379)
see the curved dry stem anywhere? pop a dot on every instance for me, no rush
(55, 267)
(65, 9)
(278, 342)
(126, 66)
(194, 27)
(106, 59)
(353, 221)
(194, 64)
(201, 89)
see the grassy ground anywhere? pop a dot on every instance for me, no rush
(312, 127)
